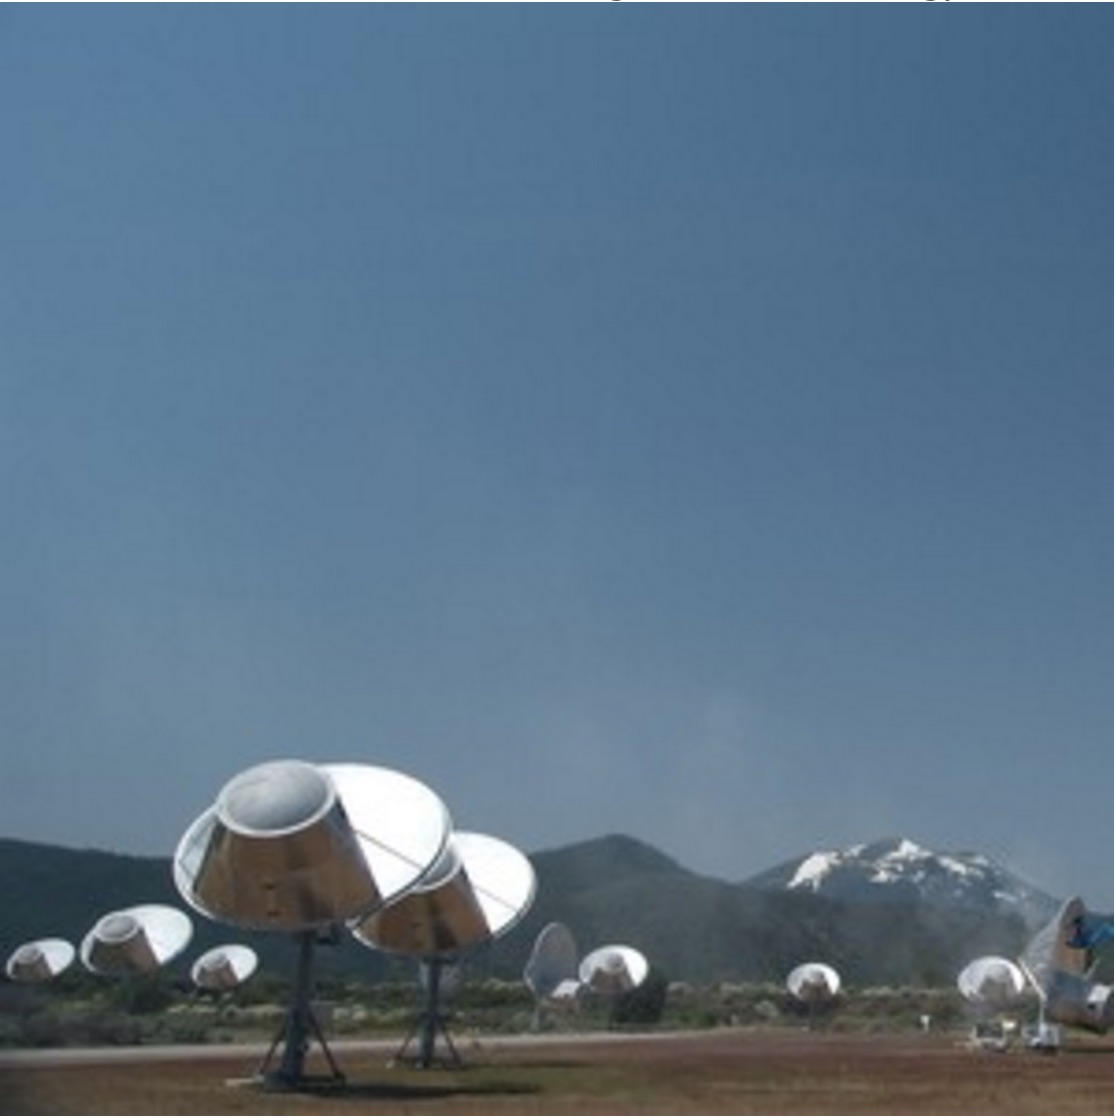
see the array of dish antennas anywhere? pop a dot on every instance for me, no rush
(135, 941)
(301, 848)
(129, 942)
(813, 983)
(38, 961)
(991, 982)
(554, 973)
(223, 968)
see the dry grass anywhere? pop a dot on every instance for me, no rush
(730, 1072)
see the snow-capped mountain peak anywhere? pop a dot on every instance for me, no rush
(898, 869)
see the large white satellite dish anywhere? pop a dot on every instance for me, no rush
(613, 969)
(551, 970)
(36, 961)
(224, 967)
(813, 983)
(301, 848)
(476, 892)
(136, 940)
(991, 981)
(293, 846)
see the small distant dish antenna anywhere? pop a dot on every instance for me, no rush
(479, 888)
(553, 962)
(813, 983)
(613, 969)
(991, 982)
(990, 985)
(291, 846)
(551, 970)
(137, 940)
(38, 961)
(224, 967)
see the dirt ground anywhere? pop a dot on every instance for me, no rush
(715, 1072)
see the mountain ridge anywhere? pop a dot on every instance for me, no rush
(900, 869)
(610, 889)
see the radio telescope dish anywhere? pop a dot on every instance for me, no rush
(813, 983)
(551, 970)
(552, 967)
(1057, 965)
(613, 969)
(293, 846)
(478, 889)
(41, 960)
(224, 967)
(991, 981)
(137, 940)
(1054, 949)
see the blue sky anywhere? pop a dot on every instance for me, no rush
(686, 421)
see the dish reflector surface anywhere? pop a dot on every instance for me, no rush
(293, 846)
(224, 967)
(402, 825)
(477, 890)
(41, 960)
(992, 980)
(813, 982)
(613, 969)
(1051, 950)
(553, 961)
(139, 939)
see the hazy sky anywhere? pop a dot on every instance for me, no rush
(690, 421)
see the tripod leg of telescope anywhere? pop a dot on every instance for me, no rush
(429, 1022)
(454, 1057)
(296, 1037)
(337, 1074)
(298, 1024)
(429, 1026)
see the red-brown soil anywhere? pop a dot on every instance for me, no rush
(715, 1072)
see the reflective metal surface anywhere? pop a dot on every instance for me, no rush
(991, 980)
(612, 969)
(553, 962)
(478, 889)
(813, 982)
(291, 846)
(224, 967)
(37, 961)
(137, 940)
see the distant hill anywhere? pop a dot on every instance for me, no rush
(613, 889)
(704, 930)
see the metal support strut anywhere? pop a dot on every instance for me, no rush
(430, 1023)
(298, 1025)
